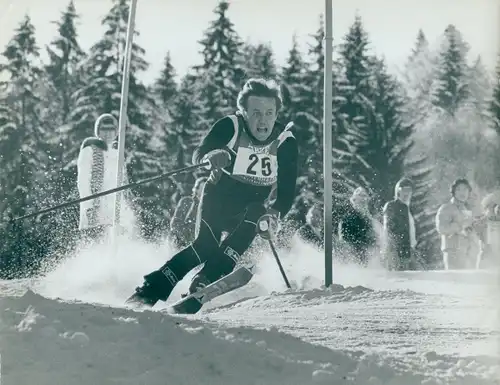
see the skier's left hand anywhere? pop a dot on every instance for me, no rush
(267, 225)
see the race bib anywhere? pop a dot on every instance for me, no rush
(261, 166)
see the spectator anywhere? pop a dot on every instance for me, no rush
(96, 169)
(356, 228)
(458, 225)
(399, 235)
(184, 223)
(313, 230)
(490, 254)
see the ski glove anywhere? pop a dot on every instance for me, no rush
(267, 225)
(218, 159)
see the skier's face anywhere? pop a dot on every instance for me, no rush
(462, 193)
(261, 115)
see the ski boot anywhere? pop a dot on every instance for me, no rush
(198, 283)
(156, 287)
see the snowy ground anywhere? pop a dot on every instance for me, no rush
(373, 327)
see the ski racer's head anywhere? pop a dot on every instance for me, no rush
(404, 190)
(461, 190)
(106, 128)
(259, 102)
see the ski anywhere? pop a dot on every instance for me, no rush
(192, 303)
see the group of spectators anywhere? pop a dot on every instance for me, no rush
(469, 231)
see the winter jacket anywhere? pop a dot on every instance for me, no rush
(450, 224)
(96, 167)
(399, 237)
(357, 230)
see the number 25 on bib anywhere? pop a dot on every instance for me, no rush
(256, 168)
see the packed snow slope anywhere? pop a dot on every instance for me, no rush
(372, 327)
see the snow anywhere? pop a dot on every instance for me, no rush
(371, 327)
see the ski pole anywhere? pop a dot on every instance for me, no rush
(276, 257)
(111, 191)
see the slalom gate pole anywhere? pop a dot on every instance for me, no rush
(327, 143)
(120, 188)
(122, 122)
(276, 257)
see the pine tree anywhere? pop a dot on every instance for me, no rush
(104, 67)
(353, 83)
(190, 128)
(63, 82)
(259, 61)
(451, 88)
(65, 54)
(166, 93)
(480, 87)
(418, 79)
(313, 99)
(310, 134)
(353, 93)
(165, 90)
(222, 72)
(494, 106)
(24, 145)
(165, 86)
(293, 79)
(22, 149)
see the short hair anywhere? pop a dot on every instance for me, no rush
(458, 182)
(259, 87)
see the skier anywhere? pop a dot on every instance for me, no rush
(249, 153)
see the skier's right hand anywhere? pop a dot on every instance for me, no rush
(218, 159)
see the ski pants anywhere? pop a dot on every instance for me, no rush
(239, 219)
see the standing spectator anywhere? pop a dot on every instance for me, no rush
(96, 168)
(399, 235)
(184, 224)
(490, 254)
(312, 231)
(457, 224)
(356, 230)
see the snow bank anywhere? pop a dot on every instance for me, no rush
(46, 341)
(49, 342)
(380, 327)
